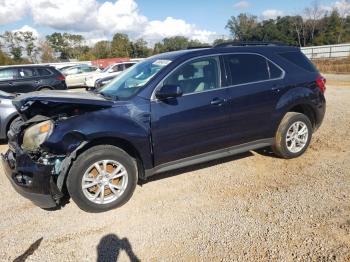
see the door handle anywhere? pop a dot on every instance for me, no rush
(217, 102)
(276, 88)
(10, 83)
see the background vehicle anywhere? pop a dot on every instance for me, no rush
(102, 82)
(7, 113)
(23, 79)
(169, 111)
(75, 75)
(112, 70)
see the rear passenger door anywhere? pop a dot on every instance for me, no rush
(27, 81)
(253, 82)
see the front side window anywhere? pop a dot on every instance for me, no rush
(246, 68)
(196, 76)
(130, 81)
(8, 74)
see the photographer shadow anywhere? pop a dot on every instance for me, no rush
(110, 247)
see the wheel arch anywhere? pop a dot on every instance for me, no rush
(307, 110)
(123, 144)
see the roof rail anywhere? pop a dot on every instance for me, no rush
(199, 47)
(249, 43)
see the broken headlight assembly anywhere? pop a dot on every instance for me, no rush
(37, 134)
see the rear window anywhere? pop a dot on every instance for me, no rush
(299, 59)
(43, 72)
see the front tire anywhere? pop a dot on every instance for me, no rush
(102, 178)
(293, 135)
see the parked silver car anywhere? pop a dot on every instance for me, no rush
(7, 113)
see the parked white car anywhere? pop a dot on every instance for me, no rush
(76, 75)
(112, 70)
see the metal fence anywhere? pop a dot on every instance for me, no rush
(327, 51)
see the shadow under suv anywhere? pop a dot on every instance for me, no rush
(171, 110)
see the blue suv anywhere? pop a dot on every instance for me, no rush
(169, 111)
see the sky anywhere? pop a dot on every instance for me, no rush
(152, 20)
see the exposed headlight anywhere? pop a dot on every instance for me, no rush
(37, 134)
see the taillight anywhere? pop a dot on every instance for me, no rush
(61, 77)
(321, 83)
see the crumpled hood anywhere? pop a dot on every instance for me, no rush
(53, 103)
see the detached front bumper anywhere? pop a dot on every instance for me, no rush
(30, 179)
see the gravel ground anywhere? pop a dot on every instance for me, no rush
(250, 207)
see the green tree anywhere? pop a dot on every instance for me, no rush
(139, 49)
(13, 42)
(243, 27)
(47, 52)
(58, 43)
(102, 49)
(121, 46)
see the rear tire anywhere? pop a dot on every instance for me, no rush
(293, 135)
(90, 182)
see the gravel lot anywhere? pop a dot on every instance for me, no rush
(248, 207)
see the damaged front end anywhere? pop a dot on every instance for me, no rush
(36, 171)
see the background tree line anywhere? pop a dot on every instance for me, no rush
(314, 26)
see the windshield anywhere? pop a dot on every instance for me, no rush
(107, 68)
(133, 79)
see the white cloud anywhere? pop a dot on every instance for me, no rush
(99, 20)
(343, 7)
(65, 15)
(121, 16)
(156, 30)
(12, 10)
(271, 13)
(242, 5)
(27, 28)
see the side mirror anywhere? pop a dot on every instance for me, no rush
(169, 91)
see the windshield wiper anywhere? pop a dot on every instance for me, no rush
(108, 96)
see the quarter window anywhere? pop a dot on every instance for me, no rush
(246, 68)
(274, 71)
(43, 72)
(299, 59)
(196, 76)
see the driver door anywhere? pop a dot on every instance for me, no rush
(196, 122)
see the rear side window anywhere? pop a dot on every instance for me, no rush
(26, 72)
(299, 59)
(246, 68)
(43, 72)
